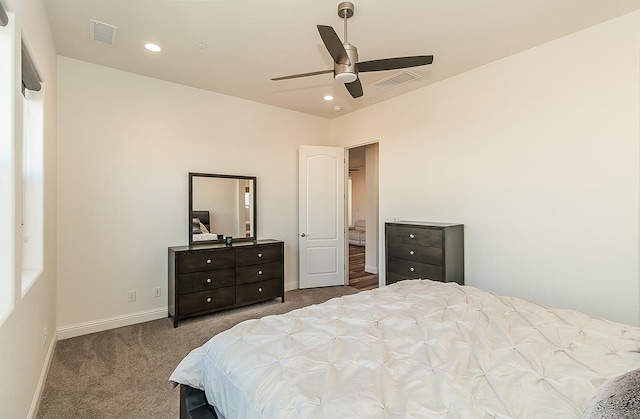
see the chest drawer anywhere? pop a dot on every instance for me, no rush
(427, 250)
(207, 300)
(201, 281)
(205, 260)
(414, 235)
(260, 272)
(413, 252)
(262, 290)
(415, 270)
(258, 254)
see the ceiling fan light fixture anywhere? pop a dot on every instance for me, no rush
(346, 77)
(345, 57)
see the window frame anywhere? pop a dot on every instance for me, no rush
(32, 174)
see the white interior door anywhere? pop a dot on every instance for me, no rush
(321, 240)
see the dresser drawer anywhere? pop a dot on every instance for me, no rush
(258, 254)
(414, 235)
(198, 261)
(206, 300)
(413, 252)
(253, 273)
(415, 270)
(201, 281)
(262, 290)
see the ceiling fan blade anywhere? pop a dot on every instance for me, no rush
(355, 88)
(334, 45)
(295, 76)
(395, 63)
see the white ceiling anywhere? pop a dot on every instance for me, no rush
(251, 41)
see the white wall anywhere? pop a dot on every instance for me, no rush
(358, 195)
(24, 351)
(537, 154)
(126, 145)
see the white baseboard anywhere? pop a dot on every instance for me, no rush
(371, 269)
(80, 329)
(289, 286)
(35, 403)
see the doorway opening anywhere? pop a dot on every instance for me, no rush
(362, 216)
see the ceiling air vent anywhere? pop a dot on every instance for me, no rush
(396, 80)
(102, 32)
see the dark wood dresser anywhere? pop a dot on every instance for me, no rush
(208, 278)
(418, 250)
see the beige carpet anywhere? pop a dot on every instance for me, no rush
(123, 373)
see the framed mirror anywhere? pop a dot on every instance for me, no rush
(221, 206)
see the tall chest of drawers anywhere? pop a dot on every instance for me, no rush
(419, 250)
(204, 279)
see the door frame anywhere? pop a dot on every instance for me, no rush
(380, 250)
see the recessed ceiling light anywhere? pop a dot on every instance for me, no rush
(337, 108)
(201, 45)
(328, 97)
(153, 47)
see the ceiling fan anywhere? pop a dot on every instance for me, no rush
(345, 56)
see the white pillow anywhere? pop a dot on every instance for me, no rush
(618, 398)
(203, 228)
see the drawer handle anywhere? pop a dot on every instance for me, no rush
(412, 269)
(259, 289)
(259, 255)
(208, 260)
(412, 236)
(411, 252)
(209, 300)
(259, 272)
(208, 280)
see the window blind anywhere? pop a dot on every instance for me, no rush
(30, 78)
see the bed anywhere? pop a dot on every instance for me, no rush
(201, 227)
(414, 349)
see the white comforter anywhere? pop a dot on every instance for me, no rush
(415, 349)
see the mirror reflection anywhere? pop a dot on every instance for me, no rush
(221, 206)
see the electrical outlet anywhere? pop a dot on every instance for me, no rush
(131, 296)
(156, 292)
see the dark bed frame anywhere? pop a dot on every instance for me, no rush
(194, 405)
(204, 218)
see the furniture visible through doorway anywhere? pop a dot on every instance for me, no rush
(357, 233)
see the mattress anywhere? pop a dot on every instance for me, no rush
(413, 349)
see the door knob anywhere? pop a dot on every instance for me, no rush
(303, 234)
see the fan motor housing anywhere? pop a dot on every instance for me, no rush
(345, 9)
(347, 73)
